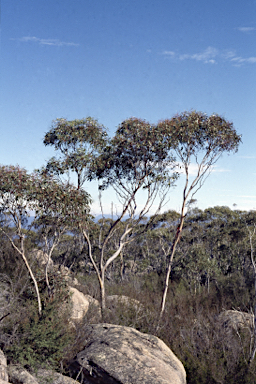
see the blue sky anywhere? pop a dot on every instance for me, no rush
(120, 58)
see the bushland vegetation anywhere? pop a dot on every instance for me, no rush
(212, 272)
(128, 253)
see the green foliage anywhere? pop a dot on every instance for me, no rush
(70, 135)
(78, 141)
(15, 194)
(10, 262)
(136, 154)
(22, 193)
(152, 282)
(212, 269)
(41, 340)
(210, 352)
(56, 207)
(190, 133)
(189, 327)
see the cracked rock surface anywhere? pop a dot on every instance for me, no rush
(116, 354)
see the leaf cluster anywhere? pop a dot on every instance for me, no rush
(78, 141)
(190, 132)
(135, 154)
(22, 193)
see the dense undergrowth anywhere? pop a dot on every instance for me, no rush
(211, 353)
(199, 292)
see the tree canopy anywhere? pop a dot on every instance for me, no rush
(202, 139)
(78, 142)
(49, 202)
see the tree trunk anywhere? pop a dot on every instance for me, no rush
(122, 266)
(35, 283)
(103, 296)
(173, 249)
(21, 251)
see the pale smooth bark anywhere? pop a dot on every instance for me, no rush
(188, 191)
(49, 248)
(101, 270)
(127, 196)
(22, 253)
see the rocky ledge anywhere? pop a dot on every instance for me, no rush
(122, 355)
(112, 354)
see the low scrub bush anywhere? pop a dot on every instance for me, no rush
(40, 340)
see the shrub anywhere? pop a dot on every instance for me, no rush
(40, 341)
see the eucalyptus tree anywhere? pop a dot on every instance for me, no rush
(200, 140)
(15, 208)
(59, 207)
(135, 160)
(47, 202)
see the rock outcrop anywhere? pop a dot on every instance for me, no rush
(81, 303)
(122, 355)
(19, 375)
(3, 367)
(45, 376)
(124, 301)
(42, 259)
(236, 320)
